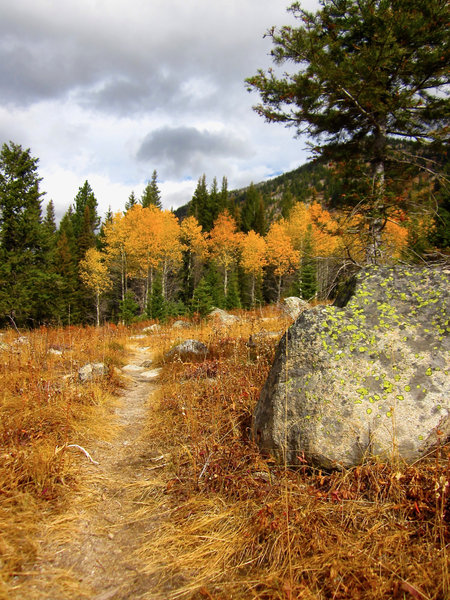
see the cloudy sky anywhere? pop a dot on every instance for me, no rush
(109, 90)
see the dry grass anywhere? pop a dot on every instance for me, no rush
(234, 525)
(228, 523)
(43, 408)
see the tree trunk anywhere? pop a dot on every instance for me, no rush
(225, 283)
(279, 289)
(97, 305)
(376, 218)
(253, 290)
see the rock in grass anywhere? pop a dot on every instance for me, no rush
(180, 324)
(223, 317)
(368, 376)
(152, 328)
(294, 306)
(91, 371)
(188, 350)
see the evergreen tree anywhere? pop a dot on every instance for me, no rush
(25, 285)
(156, 304)
(101, 234)
(151, 194)
(214, 200)
(233, 299)
(66, 263)
(132, 201)
(224, 203)
(215, 286)
(85, 220)
(200, 207)
(128, 308)
(202, 300)
(308, 270)
(370, 72)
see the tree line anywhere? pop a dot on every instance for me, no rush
(145, 263)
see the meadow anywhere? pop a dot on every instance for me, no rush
(230, 522)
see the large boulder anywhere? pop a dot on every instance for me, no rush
(294, 306)
(368, 376)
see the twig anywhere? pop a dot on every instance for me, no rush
(85, 452)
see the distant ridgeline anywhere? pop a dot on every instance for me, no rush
(419, 192)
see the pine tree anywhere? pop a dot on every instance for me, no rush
(85, 220)
(233, 298)
(128, 308)
(132, 200)
(151, 195)
(26, 287)
(156, 305)
(202, 301)
(253, 212)
(369, 72)
(308, 270)
(66, 263)
(199, 206)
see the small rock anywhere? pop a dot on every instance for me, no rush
(147, 364)
(150, 374)
(91, 371)
(138, 337)
(132, 368)
(55, 352)
(188, 350)
(180, 324)
(222, 316)
(152, 328)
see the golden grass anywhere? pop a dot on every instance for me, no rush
(233, 525)
(227, 522)
(43, 408)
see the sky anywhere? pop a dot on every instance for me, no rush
(110, 90)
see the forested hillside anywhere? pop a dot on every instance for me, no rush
(293, 234)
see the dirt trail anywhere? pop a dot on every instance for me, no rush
(99, 550)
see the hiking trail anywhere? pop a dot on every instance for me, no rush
(90, 553)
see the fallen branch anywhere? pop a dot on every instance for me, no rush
(83, 450)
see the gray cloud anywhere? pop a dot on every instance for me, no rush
(187, 152)
(82, 81)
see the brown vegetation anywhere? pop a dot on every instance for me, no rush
(230, 522)
(43, 411)
(239, 526)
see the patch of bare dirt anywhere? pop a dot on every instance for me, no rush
(90, 552)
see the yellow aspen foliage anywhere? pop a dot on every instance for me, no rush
(144, 242)
(253, 253)
(193, 238)
(281, 254)
(323, 228)
(253, 257)
(171, 247)
(117, 235)
(94, 274)
(394, 238)
(355, 233)
(224, 244)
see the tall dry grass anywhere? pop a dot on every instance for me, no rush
(44, 410)
(233, 524)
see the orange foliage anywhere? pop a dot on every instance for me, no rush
(253, 253)
(281, 253)
(193, 237)
(224, 243)
(324, 228)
